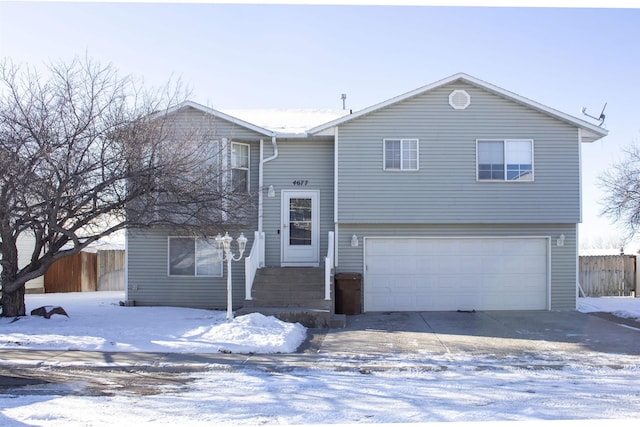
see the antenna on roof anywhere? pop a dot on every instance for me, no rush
(601, 117)
(344, 99)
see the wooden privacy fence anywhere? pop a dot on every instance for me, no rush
(86, 272)
(610, 275)
(110, 270)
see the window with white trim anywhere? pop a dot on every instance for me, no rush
(505, 160)
(191, 256)
(401, 154)
(240, 166)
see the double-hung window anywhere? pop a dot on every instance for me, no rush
(505, 160)
(240, 166)
(401, 154)
(191, 256)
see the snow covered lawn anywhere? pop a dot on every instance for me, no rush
(449, 388)
(97, 322)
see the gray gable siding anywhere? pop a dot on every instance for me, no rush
(310, 161)
(445, 190)
(563, 259)
(190, 119)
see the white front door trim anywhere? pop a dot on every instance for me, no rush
(305, 254)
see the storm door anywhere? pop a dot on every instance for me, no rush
(300, 228)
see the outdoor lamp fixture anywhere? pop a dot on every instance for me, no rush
(354, 241)
(560, 241)
(271, 192)
(224, 243)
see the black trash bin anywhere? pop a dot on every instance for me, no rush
(348, 293)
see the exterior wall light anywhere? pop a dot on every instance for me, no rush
(354, 241)
(271, 192)
(560, 241)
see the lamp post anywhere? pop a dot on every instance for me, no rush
(224, 243)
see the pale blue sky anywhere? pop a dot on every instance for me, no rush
(301, 56)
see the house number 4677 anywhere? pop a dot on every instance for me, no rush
(301, 182)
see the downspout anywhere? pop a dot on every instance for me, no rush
(335, 197)
(261, 176)
(577, 244)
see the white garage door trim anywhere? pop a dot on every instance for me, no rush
(442, 301)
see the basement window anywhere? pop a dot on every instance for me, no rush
(191, 256)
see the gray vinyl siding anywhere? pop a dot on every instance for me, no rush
(148, 281)
(310, 161)
(563, 258)
(445, 189)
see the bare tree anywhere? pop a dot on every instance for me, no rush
(604, 241)
(621, 183)
(85, 153)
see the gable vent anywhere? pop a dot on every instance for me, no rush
(459, 99)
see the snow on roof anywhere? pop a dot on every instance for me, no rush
(286, 121)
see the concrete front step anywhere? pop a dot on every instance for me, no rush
(290, 286)
(300, 294)
(288, 276)
(259, 285)
(319, 304)
(293, 294)
(308, 317)
(292, 271)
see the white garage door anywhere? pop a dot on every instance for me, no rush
(445, 274)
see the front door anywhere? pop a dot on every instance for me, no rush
(300, 228)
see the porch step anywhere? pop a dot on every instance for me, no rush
(291, 274)
(286, 301)
(292, 294)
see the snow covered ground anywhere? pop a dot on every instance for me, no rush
(441, 389)
(97, 322)
(628, 308)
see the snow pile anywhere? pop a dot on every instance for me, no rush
(626, 307)
(97, 322)
(256, 333)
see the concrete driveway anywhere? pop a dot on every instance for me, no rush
(499, 333)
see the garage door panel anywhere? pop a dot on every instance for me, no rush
(455, 274)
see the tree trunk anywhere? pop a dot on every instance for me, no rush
(13, 303)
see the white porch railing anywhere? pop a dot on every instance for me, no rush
(329, 263)
(253, 262)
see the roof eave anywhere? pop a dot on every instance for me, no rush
(587, 135)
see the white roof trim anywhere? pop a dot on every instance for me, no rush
(593, 132)
(220, 114)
